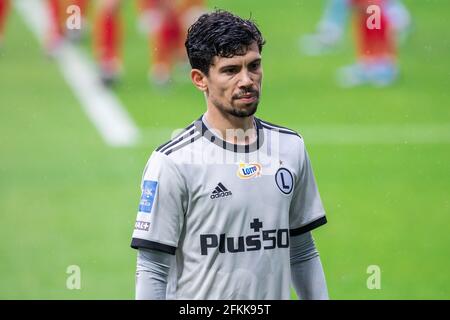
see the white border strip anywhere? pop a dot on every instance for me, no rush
(402, 134)
(100, 104)
(370, 134)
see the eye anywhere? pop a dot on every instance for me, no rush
(230, 70)
(255, 65)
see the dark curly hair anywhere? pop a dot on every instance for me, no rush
(220, 33)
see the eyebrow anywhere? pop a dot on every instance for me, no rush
(238, 65)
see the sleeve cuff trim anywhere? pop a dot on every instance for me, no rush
(137, 243)
(308, 227)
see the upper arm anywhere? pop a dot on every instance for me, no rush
(162, 206)
(306, 211)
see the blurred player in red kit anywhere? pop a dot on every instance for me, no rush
(4, 7)
(166, 22)
(57, 30)
(380, 25)
(106, 31)
(376, 47)
(108, 39)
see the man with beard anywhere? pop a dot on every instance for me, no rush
(228, 205)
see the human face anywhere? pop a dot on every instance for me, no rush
(234, 84)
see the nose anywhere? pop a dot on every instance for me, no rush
(245, 80)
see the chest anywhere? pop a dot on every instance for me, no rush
(228, 195)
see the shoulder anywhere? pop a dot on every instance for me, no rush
(287, 142)
(180, 140)
(280, 129)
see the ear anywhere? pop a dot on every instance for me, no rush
(199, 80)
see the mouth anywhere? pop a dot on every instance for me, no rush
(248, 97)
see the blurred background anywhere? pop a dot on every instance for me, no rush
(86, 95)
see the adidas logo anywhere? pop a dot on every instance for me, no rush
(220, 191)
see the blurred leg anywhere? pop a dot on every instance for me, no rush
(166, 41)
(4, 7)
(189, 11)
(76, 35)
(400, 19)
(336, 12)
(374, 43)
(83, 6)
(147, 5)
(376, 52)
(107, 40)
(55, 32)
(149, 16)
(330, 29)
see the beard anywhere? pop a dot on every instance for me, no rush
(242, 111)
(248, 111)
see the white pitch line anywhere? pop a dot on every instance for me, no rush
(404, 134)
(377, 134)
(101, 106)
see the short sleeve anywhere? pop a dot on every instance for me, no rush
(162, 206)
(306, 211)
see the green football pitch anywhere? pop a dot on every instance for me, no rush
(381, 157)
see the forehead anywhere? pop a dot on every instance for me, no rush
(250, 55)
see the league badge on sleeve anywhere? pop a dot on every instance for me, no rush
(148, 196)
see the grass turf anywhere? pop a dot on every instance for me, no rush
(68, 199)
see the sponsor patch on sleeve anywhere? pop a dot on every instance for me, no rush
(148, 196)
(142, 225)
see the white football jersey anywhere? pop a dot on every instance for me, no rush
(227, 211)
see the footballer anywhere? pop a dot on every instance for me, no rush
(228, 205)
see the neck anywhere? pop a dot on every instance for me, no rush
(225, 123)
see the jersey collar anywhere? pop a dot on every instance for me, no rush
(239, 148)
